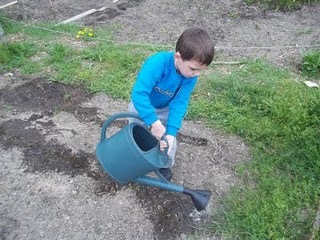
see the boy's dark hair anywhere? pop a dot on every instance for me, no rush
(195, 44)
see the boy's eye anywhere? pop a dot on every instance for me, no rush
(196, 70)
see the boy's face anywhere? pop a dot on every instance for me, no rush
(188, 68)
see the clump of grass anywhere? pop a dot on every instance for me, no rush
(16, 55)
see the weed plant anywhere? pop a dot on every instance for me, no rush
(277, 115)
(311, 64)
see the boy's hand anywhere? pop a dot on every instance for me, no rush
(157, 129)
(170, 140)
(163, 144)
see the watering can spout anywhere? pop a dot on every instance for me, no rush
(200, 198)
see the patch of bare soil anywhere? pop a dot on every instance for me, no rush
(240, 31)
(52, 182)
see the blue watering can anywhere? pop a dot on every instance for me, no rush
(133, 152)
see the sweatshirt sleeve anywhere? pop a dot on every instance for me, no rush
(178, 106)
(149, 74)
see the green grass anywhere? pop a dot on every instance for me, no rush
(282, 5)
(270, 108)
(280, 119)
(17, 55)
(102, 68)
(99, 64)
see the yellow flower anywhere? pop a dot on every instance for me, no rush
(85, 32)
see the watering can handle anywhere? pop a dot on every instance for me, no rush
(165, 152)
(126, 115)
(113, 118)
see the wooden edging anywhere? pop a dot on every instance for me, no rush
(8, 4)
(81, 15)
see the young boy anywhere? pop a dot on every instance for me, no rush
(164, 85)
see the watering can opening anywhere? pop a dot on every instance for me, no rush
(144, 140)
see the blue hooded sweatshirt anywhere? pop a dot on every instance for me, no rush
(160, 85)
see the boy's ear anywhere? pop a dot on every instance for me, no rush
(177, 56)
